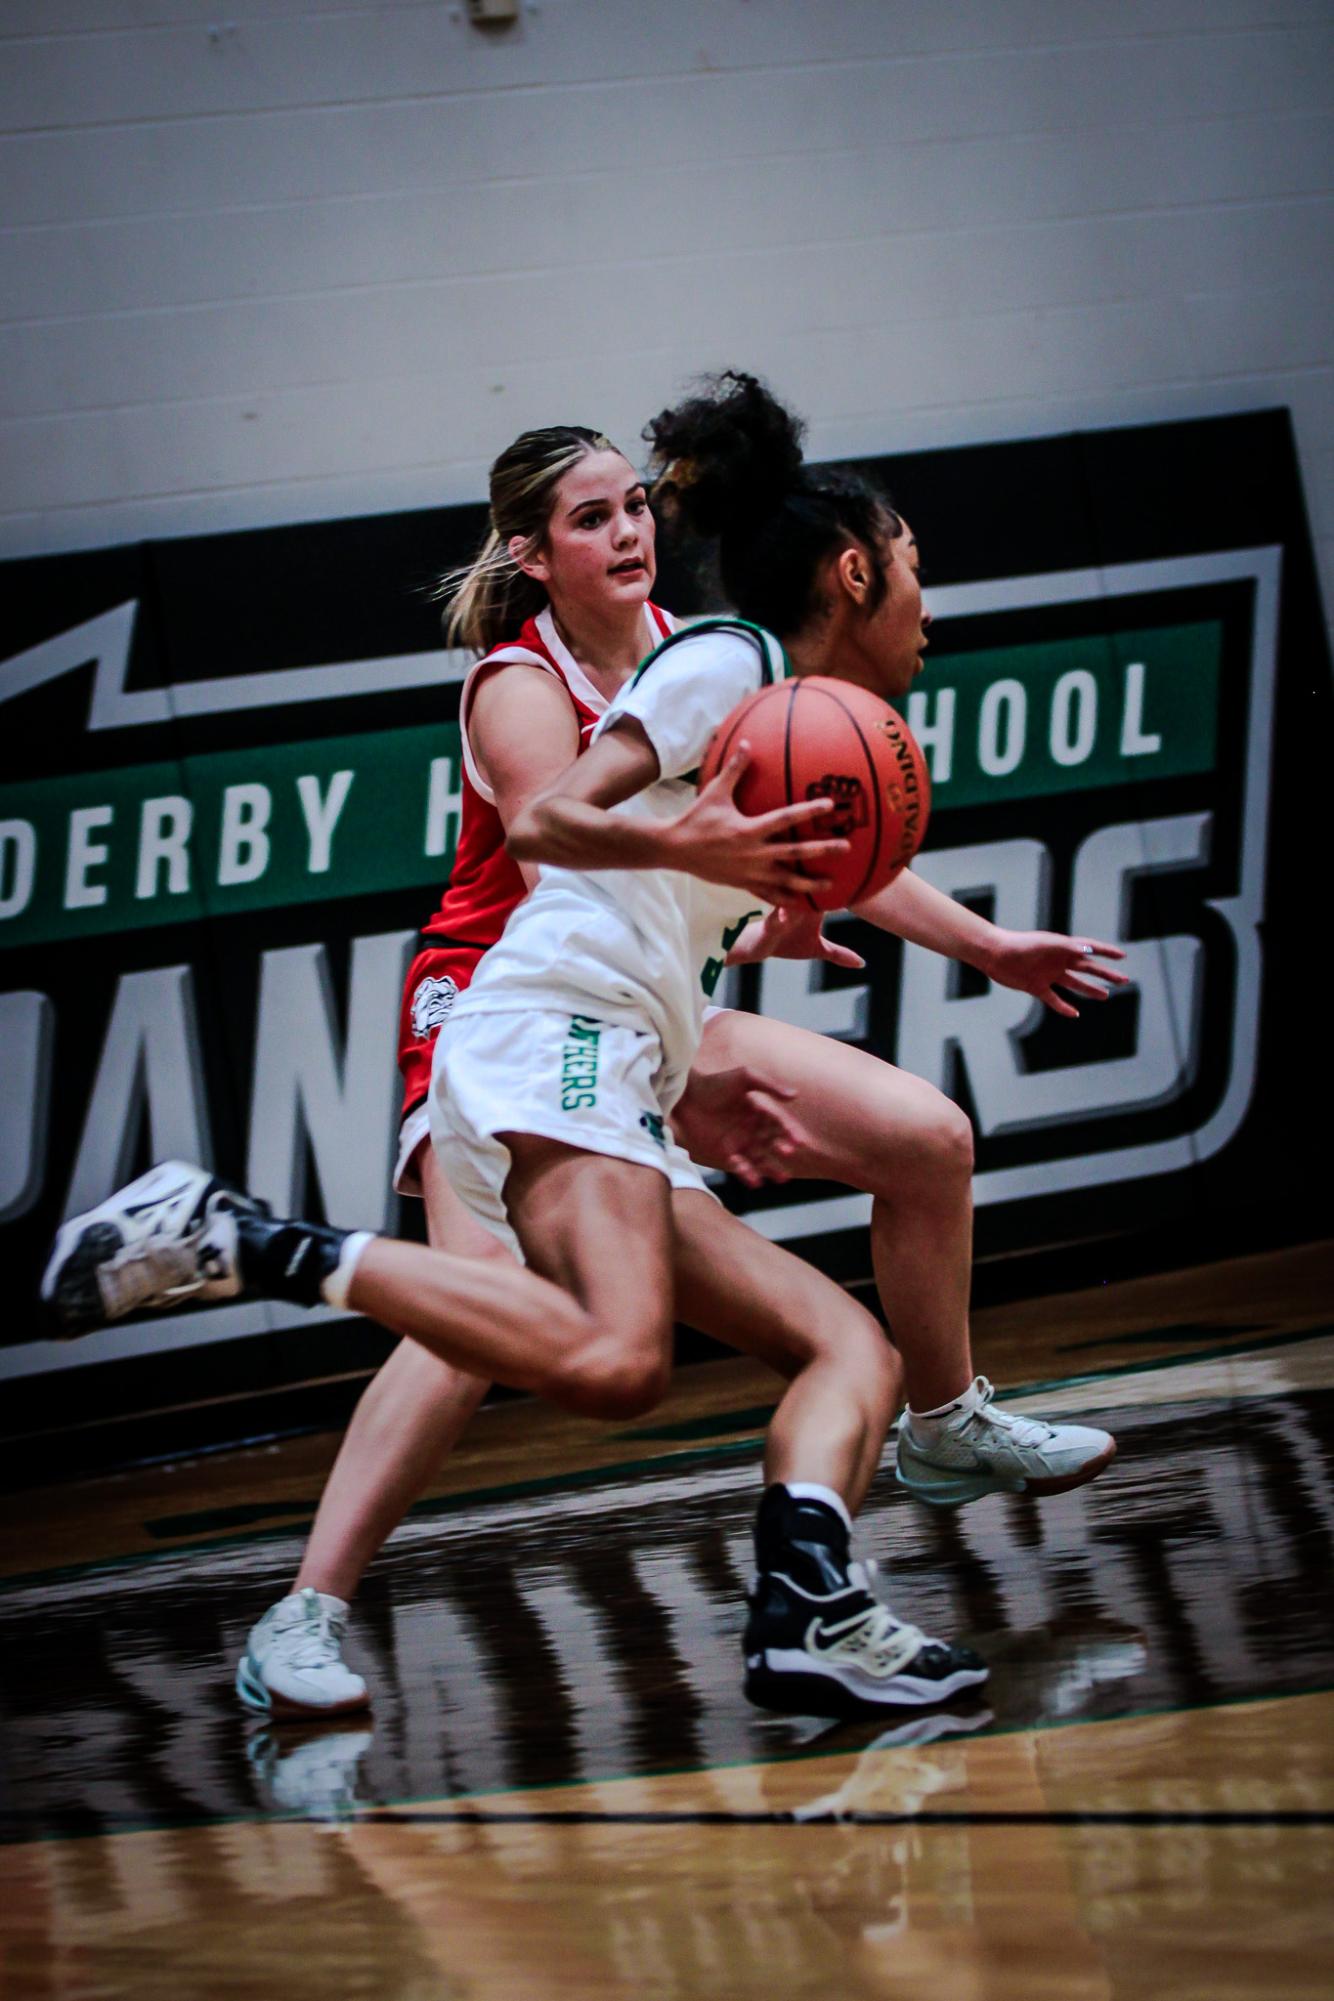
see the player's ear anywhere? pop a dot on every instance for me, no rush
(852, 573)
(526, 551)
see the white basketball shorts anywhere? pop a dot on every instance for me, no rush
(572, 1078)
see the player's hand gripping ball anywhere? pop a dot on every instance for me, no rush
(818, 738)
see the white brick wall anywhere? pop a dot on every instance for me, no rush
(278, 259)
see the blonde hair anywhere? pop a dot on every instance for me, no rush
(488, 599)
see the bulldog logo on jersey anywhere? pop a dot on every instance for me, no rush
(432, 1003)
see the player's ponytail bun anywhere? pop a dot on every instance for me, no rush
(731, 471)
(726, 454)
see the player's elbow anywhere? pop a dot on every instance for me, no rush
(525, 834)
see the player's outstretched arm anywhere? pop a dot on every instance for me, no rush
(1034, 962)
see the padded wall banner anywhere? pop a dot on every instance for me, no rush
(231, 769)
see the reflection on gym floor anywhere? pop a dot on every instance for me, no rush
(595, 1635)
(561, 1791)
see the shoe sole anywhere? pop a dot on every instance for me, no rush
(69, 1288)
(978, 1486)
(809, 1692)
(256, 1695)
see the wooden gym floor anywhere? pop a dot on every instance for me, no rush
(561, 1791)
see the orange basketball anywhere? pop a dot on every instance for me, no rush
(817, 738)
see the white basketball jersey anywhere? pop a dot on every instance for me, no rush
(644, 947)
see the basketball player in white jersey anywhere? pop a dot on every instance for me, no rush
(620, 953)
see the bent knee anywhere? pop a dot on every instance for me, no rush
(944, 1147)
(956, 1139)
(853, 1341)
(879, 1368)
(596, 1381)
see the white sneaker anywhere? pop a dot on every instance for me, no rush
(973, 1449)
(168, 1237)
(293, 1662)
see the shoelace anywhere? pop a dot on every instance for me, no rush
(875, 1632)
(175, 1212)
(321, 1635)
(869, 1576)
(1022, 1430)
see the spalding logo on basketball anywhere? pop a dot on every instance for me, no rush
(821, 738)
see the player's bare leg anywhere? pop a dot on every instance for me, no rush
(572, 1213)
(411, 1414)
(179, 1234)
(877, 1128)
(873, 1127)
(407, 1421)
(843, 1376)
(818, 1640)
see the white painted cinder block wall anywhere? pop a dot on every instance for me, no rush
(274, 260)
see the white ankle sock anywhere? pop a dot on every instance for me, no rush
(926, 1425)
(334, 1288)
(810, 1490)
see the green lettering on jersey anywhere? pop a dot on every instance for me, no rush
(712, 970)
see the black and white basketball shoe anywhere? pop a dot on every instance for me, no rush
(179, 1234)
(169, 1237)
(843, 1653)
(819, 1641)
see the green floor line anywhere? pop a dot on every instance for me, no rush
(240, 1516)
(445, 1504)
(448, 1504)
(1161, 1362)
(1180, 1330)
(754, 1418)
